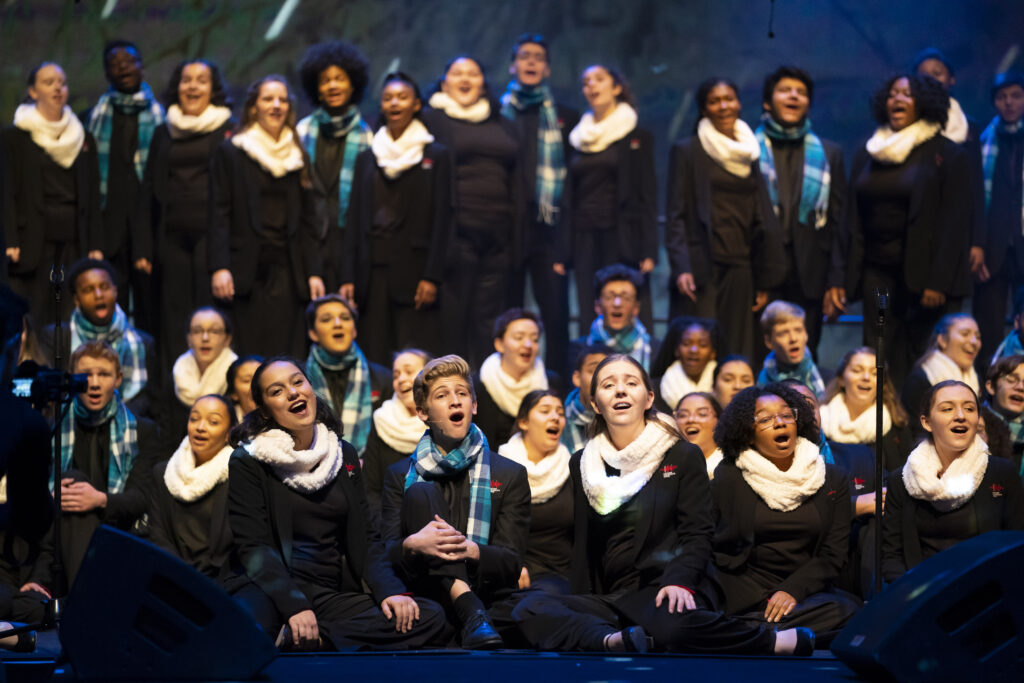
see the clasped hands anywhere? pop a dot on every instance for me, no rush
(440, 541)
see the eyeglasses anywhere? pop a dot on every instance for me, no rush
(765, 421)
(700, 415)
(610, 297)
(203, 332)
(1013, 380)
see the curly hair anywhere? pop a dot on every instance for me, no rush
(735, 430)
(931, 101)
(667, 354)
(218, 96)
(345, 56)
(889, 397)
(257, 422)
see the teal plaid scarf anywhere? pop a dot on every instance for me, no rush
(428, 462)
(357, 411)
(577, 418)
(131, 350)
(101, 125)
(632, 340)
(989, 154)
(550, 153)
(805, 372)
(1011, 346)
(124, 441)
(1015, 425)
(817, 174)
(337, 127)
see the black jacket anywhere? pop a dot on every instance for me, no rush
(235, 222)
(149, 231)
(636, 200)
(734, 529)
(938, 233)
(260, 520)
(567, 120)
(688, 221)
(418, 249)
(501, 560)
(496, 424)
(998, 504)
(672, 545)
(21, 206)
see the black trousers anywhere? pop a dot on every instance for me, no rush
(346, 621)
(269, 319)
(825, 613)
(581, 622)
(474, 294)
(388, 322)
(551, 291)
(728, 298)
(34, 285)
(989, 307)
(183, 285)
(908, 324)
(592, 251)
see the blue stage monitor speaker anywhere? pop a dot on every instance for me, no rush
(137, 613)
(958, 616)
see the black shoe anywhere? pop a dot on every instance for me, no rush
(478, 633)
(636, 639)
(804, 642)
(26, 641)
(284, 640)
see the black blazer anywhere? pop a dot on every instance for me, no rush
(235, 221)
(496, 424)
(418, 249)
(688, 221)
(149, 231)
(501, 560)
(812, 247)
(378, 457)
(938, 233)
(567, 120)
(21, 206)
(672, 545)
(636, 199)
(734, 528)
(260, 521)
(997, 505)
(163, 532)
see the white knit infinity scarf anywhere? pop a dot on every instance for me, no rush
(675, 383)
(893, 147)
(957, 484)
(508, 393)
(547, 476)
(182, 125)
(784, 491)
(61, 140)
(735, 156)
(189, 384)
(474, 113)
(939, 367)
(592, 136)
(189, 483)
(277, 157)
(956, 125)
(636, 463)
(839, 427)
(396, 427)
(395, 157)
(302, 471)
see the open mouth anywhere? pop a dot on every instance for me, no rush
(959, 429)
(691, 431)
(298, 407)
(782, 440)
(622, 405)
(552, 430)
(1015, 398)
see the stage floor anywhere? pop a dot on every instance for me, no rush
(490, 667)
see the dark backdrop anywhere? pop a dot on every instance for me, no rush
(664, 48)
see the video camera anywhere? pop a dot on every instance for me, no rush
(41, 385)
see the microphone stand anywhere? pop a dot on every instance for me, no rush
(882, 300)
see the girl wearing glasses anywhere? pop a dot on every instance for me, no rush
(697, 416)
(951, 488)
(782, 515)
(202, 370)
(642, 549)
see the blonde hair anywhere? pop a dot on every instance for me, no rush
(779, 312)
(96, 349)
(439, 368)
